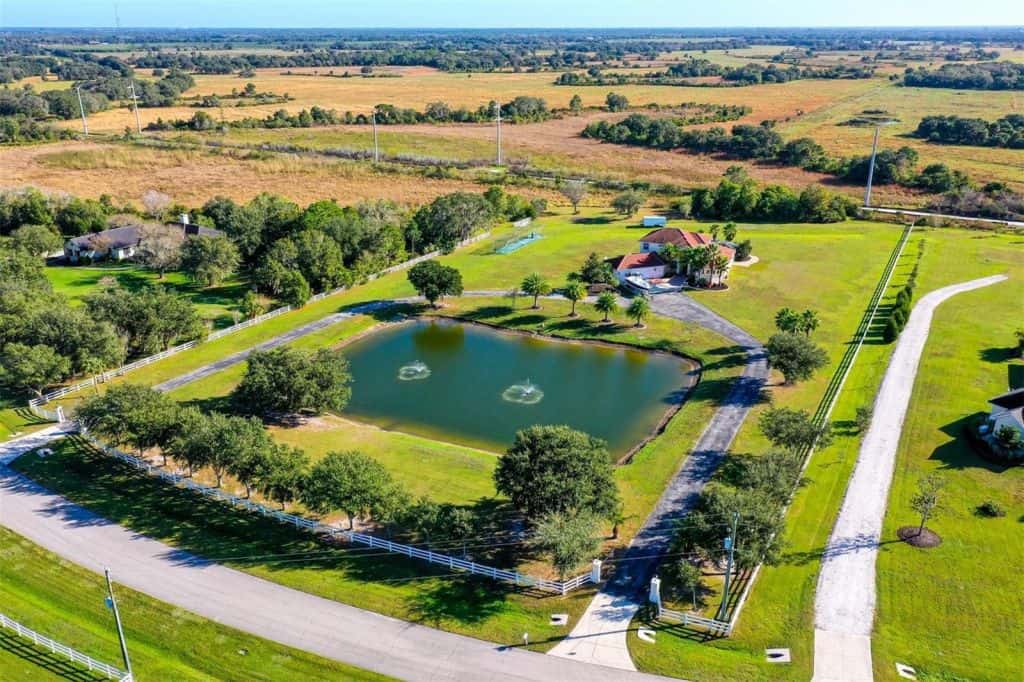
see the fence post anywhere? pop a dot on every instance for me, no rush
(595, 571)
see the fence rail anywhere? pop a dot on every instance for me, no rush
(36, 403)
(454, 563)
(56, 647)
(718, 627)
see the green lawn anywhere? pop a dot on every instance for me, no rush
(64, 601)
(953, 612)
(780, 609)
(214, 304)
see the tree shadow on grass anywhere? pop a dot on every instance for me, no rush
(488, 312)
(51, 662)
(464, 600)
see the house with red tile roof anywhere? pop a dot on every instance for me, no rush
(656, 240)
(647, 266)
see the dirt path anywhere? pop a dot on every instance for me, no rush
(844, 606)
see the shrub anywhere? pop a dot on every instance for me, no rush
(991, 509)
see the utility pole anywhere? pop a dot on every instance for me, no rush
(376, 148)
(871, 167)
(497, 108)
(112, 605)
(81, 107)
(135, 101)
(730, 546)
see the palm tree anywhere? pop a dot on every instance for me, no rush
(809, 322)
(700, 258)
(639, 309)
(675, 255)
(574, 291)
(718, 265)
(606, 304)
(535, 285)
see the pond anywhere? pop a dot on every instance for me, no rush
(476, 386)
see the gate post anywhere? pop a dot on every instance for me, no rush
(655, 593)
(595, 571)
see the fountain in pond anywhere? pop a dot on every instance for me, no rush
(524, 393)
(414, 371)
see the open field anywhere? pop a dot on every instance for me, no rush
(65, 602)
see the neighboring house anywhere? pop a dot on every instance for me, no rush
(1008, 410)
(120, 243)
(644, 265)
(655, 241)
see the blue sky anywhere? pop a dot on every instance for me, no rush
(510, 13)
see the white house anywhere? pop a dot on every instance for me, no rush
(645, 265)
(120, 243)
(1008, 410)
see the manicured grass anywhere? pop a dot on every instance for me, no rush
(389, 584)
(953, 612)
(65, 602)
(214, 304)
(780, 609)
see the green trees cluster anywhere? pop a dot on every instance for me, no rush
(149, 320)
(66, 216)
(43, 339)
(984, 76)
(739, 197)
(682, 73)
(795, 355)
(1007, 131)
(285, 381)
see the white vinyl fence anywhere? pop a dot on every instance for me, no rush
(454, 563)
(35, 404)
(109, 671)
(716, 627)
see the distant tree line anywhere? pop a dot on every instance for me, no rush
(983, 76)
(1007, 131)
(683, 73)
(763, 143)
(739, 197)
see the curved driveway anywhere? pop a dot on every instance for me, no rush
(844, 605)
(600, 636)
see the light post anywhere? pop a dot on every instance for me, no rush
(81, 107)
(871, 165)
(112, 605)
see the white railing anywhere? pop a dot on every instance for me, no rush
(108, 671)
(719, 627)
(454, 563)
(106, 376)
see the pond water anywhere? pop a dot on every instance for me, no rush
(476, 386)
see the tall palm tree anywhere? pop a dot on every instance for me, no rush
(606, 304)
(809, 321)
(639, 309)
(718, 265)
(574, 291)
(535, 285)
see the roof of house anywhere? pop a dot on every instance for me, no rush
(673, 235)
(1010, 400)
(648, 259)
(727, 251)
(130, 235)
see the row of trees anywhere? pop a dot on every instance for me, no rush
(682, 73)
(900, 311)
(763, 143)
